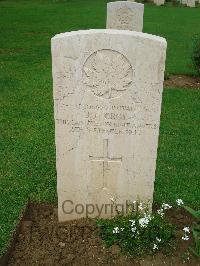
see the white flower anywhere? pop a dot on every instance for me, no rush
(166, 206)
(116, 230)
(122, 229)
(141, 206)
(185, 237)
(134, 202)
(186, 229)
(147, 216)
(143, 222)
(155, 246)
(179, 202)
(132, 222)
(158, 239)
(160, 212)
(133, 229)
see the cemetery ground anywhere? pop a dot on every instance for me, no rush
(27, 128)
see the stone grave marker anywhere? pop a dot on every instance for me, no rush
(191, 3)
(159, 2)
(107, 102)
(125, 15)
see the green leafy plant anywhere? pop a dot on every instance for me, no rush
(195, 231)
(195, 54)
(138, 234)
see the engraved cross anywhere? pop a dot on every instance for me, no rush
(106, 159)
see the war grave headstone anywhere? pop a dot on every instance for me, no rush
(125, 15)
(107, 103)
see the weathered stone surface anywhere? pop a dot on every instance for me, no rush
(107, 101)
(159, 2)
(191, 3)
(125, 15)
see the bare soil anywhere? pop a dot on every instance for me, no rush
(43, 241)
(182, 81)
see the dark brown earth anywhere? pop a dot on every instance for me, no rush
(182, 81)
(43, 241)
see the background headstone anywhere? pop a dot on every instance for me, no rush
(107, 102)
(125, 15)
(191, 3)
(159, 2)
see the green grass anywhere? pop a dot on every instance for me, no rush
(27, 161)
(170, 22)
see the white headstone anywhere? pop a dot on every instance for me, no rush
(107, 102)
(159, 2)
(191, 3)
(125, 15)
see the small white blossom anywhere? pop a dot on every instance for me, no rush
(116, 230)
(160, 212)
(179, 202)
(122, 229)
(155, 246)
(166, 206)
(133, 229)
(158, 239)
(132, 222)
(141, 206)
(143, 222)
(185, 237)
(147, 216)
(186, 229)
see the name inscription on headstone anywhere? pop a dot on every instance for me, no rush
(104, 119)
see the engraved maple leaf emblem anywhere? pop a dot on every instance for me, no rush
(124, 19)
(107, 73)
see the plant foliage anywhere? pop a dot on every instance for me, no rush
(138, 234)
(196, 53)
(195, 231)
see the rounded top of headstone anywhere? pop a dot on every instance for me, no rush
(138, 35)
(127, 4)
